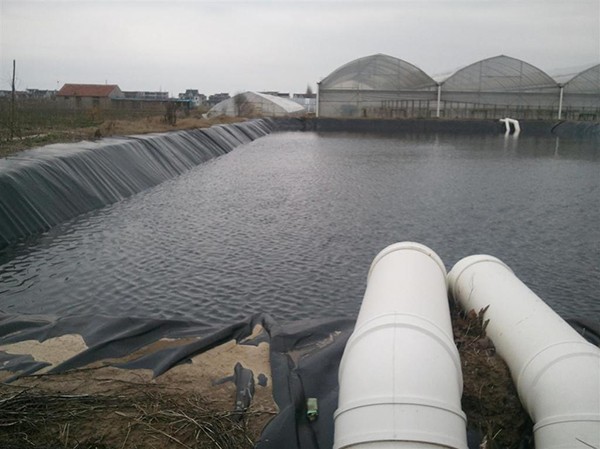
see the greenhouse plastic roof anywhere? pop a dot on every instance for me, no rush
(499, 74)
(283, 103)
(378, 72)
(586, 82)
(276, 106)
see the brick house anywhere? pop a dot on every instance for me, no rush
(87, 96)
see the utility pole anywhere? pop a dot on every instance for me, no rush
(12, 104)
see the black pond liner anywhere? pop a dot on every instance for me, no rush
(305, 357)
(42, 187)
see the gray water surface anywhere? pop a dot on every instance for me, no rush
(289, 224)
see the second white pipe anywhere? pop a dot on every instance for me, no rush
(556, 372)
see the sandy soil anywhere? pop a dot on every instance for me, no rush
(106, 407)
(192, 405)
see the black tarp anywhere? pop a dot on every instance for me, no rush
(304, 357)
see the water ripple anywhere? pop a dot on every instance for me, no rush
(289, 224)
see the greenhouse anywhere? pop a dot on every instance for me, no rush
(255, 104)
(382, 86)
(581, 96)
(377, 86)
(500, 87)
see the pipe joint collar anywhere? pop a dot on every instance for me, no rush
(568, 432)
(400, 423)
(464, 264)
(546, 372)
(412, 323)
(407, 246)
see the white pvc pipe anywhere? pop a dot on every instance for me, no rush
(556, 372)
(318, 99)
(516, 125)
(439, 101)
(560, 103)
(400, 379)
(511, 121)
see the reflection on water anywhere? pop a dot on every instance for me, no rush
(289, 224)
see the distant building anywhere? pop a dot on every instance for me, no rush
(217, 98)
(40, 93)
(309, 101)
(304, 96)
(89, 95)
(146, 95)
(19, 94)
(277, 94)
(29, 94)
(196, 99)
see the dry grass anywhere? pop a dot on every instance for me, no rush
(145, 417)
(109, 408)
(489, 398)
(157, 124)
(97, 409)
(106, 129)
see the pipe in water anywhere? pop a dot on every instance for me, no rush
(560, 102)
(318, 99)
(439, 100)
(515, 124)
(556, 372)
(400, 377)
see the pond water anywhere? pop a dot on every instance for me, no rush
(289, 224)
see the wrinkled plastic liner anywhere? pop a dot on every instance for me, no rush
(304, 359)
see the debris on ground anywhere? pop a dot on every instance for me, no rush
(490, 398)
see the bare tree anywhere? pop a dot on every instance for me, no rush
(238, 103)
(171, 112)
(243, 107)
(13, 114)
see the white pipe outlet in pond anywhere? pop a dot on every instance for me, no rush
(556, 372)
(400, 378)
(515, 124)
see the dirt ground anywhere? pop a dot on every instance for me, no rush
(108, 128)
(193, 404)
(489, 398)
(130, 416)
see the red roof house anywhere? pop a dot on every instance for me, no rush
(89, 95)
(90, 90)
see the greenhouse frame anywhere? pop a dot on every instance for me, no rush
(256, 104)
(382, 86)
(377, 86)
(581, 96)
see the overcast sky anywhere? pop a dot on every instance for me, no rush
(227, 46)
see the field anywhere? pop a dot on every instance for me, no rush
(39, 123)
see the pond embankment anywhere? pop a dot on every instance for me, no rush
(65, 133)
(559, 128)
(126, 383)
